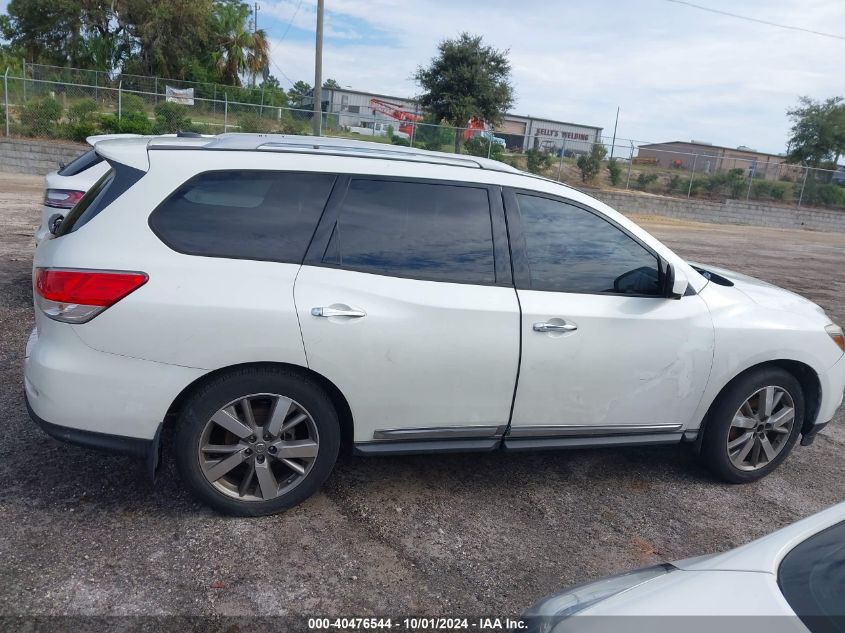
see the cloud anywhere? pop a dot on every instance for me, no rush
(676, 72)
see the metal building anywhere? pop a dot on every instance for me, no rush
(348, 108)
(708, 158)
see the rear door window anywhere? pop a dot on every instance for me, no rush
(261, 215)
(433, 231)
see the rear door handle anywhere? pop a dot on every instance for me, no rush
(555, 327)
(338, 312)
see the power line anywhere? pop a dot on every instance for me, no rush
(757, 20)
(284, 35)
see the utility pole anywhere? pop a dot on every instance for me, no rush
(613, 143)
(254, 30)
(317, 122)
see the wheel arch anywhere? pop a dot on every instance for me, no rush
(341, 405)
(802, 372)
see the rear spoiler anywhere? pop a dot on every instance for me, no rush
(126, 149)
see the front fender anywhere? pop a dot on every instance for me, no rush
(748, 334)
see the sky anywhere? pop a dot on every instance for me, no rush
(676, 72)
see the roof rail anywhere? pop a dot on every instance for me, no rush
(343, 147)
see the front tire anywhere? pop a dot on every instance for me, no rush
(753, 425)
(256, 441)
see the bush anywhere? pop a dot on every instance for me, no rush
(81, 120)
(730, 184)
(289, 125)
(823, 194)
(480, 146)
(131, 123)
(170, 118)
(252, 122)
(781, 190)
(130, 104)
(677, 184)
(762, 190)
(399, 140)
(615, 172)
(644, 180)
(40, 118)
(590, 165)
(538, 161)
(430, 135)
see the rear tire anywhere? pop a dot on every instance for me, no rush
(256, 441)
(753, 425)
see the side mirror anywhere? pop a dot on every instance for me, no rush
(54, 223)
(674, 282)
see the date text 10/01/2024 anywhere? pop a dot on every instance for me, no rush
(417, 624)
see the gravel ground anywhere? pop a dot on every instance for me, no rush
(87, 534)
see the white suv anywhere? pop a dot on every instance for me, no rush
(270, 297)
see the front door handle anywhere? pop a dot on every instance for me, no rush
(555, 327)
(338, 312)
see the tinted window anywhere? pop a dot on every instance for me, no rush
(244, 214)
(572, 250)
(812, 579)
(88, 205)
(78, 165)
(408, 229)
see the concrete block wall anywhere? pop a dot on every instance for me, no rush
(25, 156)
(727, 212)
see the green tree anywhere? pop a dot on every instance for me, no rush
(431, 135)
(169, 36)
(538, 161)
(331, 84)
(818, 132)
(615, 172)
(45, 31)
(241, 51)
(466, 79)
(590, 164)
(298, 92)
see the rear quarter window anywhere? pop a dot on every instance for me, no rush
(261, 215)
(82, 163)
(97, 199)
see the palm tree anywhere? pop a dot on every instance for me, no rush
(241, 51)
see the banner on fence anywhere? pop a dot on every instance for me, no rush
(185, 96)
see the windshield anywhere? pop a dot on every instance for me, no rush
(812, 579)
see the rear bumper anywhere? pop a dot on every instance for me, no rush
(147, 450)
(117, 444)
(95, 399)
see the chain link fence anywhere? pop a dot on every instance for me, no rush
(72, 104)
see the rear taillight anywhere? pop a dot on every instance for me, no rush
(62, 198)
(77, 296)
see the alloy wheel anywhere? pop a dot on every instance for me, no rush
(761, 428)
(258, 447)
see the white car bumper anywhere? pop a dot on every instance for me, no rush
(100, 400)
